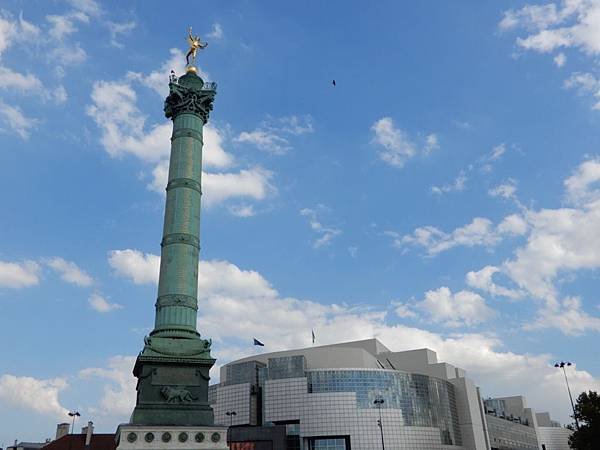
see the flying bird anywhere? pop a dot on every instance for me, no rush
(333, 82)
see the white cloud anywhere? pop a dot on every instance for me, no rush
(12, 80)
(579, 185)
(62, 26)
(119, 391)
(114, 110)
(403, 310)
(242, 210)
(265, 140)
(117, 29)
(216, 32)
(483, 280)
(571, 24)
(431, 143)
(560, 60)
(480, 232)
(269, 136)
(214, 277)
(254, 183)
(256, 309)
(19, 275)
(89, 7)
(585, 83)
(13, 120)
(70, 272)
(458, 185)
(124, 131)
(454, 310)
(102, 305)
(40, 396)
(505, 190)
(566, 316)
(157, 80)
(139, 267)
(325, 233)
(397, 148)
(497, 152)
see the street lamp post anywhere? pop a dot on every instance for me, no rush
(378, 402)
(562, 365)
(231, 414)
(73, 414)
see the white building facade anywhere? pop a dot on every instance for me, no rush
(332, 397)
(357, 394)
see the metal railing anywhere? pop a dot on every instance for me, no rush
(210, 86)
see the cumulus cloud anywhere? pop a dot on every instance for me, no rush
(552, 26)
(395, 146)
(255, 308)
(458, 185)
(70, 272)
(116, 29)
(13, 120)
(585, 83)
(505, 190)
(273, 134)
(119, 391)
(454, 310)
(483, 280)
(480, 232)
(579, 186)
(140, 267)
(37, 395)
(102, 305)
(325, 233)
(19, 275)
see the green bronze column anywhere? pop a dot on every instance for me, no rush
(188, 105)
(173, 368)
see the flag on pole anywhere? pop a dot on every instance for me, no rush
(257, 342)
(313, 335)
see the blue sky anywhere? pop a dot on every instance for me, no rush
(443, 194)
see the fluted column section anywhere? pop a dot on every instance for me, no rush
(188, 104)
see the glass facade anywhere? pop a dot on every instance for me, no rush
(508, 435)
(328, 444)
(286, 367)
(246, 372)
(424, 401)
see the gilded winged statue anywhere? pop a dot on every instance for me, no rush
(195, 44)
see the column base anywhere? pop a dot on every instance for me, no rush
(144, 437)
(172, 391)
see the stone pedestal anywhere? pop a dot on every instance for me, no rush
(143, 437)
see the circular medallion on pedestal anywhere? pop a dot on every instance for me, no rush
(199, 437)
(149, 437)
(183, 436)
(166, 437)
(215, 437)
(132, 437)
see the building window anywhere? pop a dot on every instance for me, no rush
(328, 443)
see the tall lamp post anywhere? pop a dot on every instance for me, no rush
(378, 402)
(73, 414)
(562, 365)
(231, 414)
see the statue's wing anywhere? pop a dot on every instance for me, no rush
(190, 40)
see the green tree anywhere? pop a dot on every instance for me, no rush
(587, 413)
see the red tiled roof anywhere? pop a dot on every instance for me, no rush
(77, 442)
